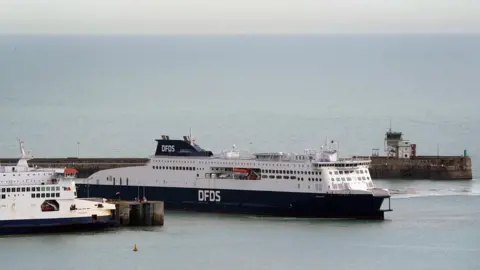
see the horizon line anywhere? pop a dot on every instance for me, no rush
(247, 34)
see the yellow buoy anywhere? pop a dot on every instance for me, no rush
(135, 247)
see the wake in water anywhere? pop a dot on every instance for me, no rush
(427, 192)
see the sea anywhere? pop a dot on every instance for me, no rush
(112, 96)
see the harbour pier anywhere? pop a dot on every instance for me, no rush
(136, 213)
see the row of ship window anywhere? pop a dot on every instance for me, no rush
(292, 172)
(349, 172)
(176, 168)
(343, 165)
(290, 177)
(39, 195)
(350, 178)
(181, 168)
(33, 174)
(30, 189)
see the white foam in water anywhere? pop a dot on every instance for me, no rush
(412, 193)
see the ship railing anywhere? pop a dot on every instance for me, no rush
(355, 159)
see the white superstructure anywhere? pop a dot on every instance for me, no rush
(308, 172)
(34, 197)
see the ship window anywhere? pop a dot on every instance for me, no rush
(43, 195)
(47, 188)
(279, 177)
(33, 195)
(38, 188)
(3, 189)
(57, 188)
(264, 176)
(52, 195)
(43, 189)
(57, 194)
(153, 167)
(3, 196)
(271, 176)
(285, 177)
(18, 189)
(28, 189)
(47, 195)
(37, 195)
(293, 177)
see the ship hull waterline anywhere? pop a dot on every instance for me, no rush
(260, 203)
(56, 225)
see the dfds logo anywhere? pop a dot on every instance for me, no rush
(168, 148)
(208, 195)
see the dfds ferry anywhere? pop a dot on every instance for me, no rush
(186, 177)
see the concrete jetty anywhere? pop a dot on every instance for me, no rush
(128, 213)
(136, 213)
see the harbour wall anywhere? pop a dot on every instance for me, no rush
(418, 167)
(422, 167)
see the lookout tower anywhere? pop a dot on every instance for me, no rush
(396, 146)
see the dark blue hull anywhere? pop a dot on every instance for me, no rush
(268, 203)
(55, 225)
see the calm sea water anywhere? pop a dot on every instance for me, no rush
(114, 95)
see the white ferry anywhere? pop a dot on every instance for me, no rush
(187, 177)
(41, 200)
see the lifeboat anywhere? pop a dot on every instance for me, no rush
(237, 170)
(70, 171)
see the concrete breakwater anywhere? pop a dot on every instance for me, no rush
(415, 167)
(422, 167)
(136, 213)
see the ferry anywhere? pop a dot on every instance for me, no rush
(312, 184)
(45, 200)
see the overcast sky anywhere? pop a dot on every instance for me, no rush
(238, 16)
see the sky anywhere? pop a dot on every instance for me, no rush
(238, 17)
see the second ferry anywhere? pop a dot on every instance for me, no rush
(45, 200)
(187, 177)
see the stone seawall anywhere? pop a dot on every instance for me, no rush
(422, 167)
